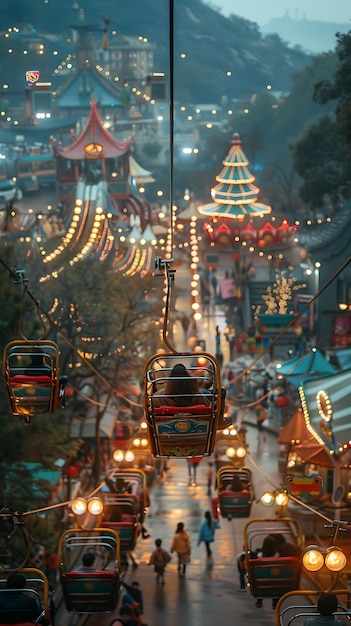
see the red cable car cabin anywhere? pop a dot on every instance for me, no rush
(272, 576)
(121, 513)
(31, 375)
(132, 482)
(183, 404)
(235, 492)
(94, 589)
(36, 599)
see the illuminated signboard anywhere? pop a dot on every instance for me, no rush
(32, 76)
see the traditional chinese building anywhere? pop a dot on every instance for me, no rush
(100, 210)
(86, 81)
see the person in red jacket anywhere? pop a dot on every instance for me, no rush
(159, 559)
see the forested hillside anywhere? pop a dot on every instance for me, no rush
(213, 44)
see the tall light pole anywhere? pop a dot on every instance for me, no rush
(317, 266)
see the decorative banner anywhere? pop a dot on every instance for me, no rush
(227, 288)
(32, 76)
(304, 486)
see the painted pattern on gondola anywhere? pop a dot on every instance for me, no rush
(181, 426)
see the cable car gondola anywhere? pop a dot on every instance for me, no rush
(235, 491)
(272, 577)
(31, 375)
(295, 607)
(137, 455)
(88, 591)
(31, 372)
(121, 513)
(125, 505)
(182, 426)
(36, 589)
(134, 482)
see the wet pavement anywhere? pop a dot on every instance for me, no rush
(210, 590)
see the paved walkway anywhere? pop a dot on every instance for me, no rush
(210, 590)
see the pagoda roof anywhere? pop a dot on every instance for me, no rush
(86, 84)
(94, 133)
(234, 210)
(235, 195)
(240, 174)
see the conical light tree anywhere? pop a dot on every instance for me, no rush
(235, 195)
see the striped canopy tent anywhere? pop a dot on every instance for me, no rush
(326, 406)
(141, 175)
(189, 213)
(295, 430)
(300, 369)
(314, 452)
(235, 195)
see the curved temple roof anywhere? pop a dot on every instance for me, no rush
(94, 133)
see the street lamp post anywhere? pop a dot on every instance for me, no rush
(317, 266)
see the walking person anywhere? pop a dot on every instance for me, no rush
(207, 532)
(182, 546)
(193, 464)
(159, 559)
(209, 478)
(241, 565)
(261, 415)
(214, 284)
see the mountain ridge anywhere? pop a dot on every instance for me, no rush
(313, 36)
(224, 57)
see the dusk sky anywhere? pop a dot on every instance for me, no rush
(261, 11)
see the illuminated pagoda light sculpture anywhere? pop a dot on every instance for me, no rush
(235, 195)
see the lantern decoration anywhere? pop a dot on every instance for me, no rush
(72, 471)
(281, 401)
(297, 330)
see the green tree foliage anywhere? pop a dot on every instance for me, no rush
(101, 313)
(339, 89)
(325, 170)
(322, 156)
(106, 317)
(108, 320)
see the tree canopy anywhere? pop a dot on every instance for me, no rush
(322, 156)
